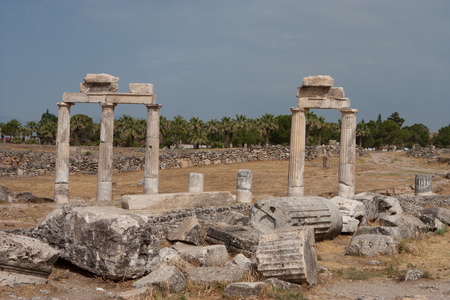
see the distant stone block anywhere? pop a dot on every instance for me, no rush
(140, 88)
(319, 80)
(100, 78)
(99, 87)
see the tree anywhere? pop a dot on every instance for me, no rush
(282, 135)
(268, 123)
(213, 127)
(131, 129)
(1, 131)
(48, 126)
(11, 128)
(32, 127)
(319, 124)
(362, 130)
(396, 118)
(228, 126)
(309, 123)
(80, 124)
(179, 125)
(442, 139)
(390, 132)
(419, 134)
(197, 133)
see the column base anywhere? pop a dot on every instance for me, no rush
(244, 196)
(104, 191)
(151, 186)
(295, 191)
(346, 191)
(61, 192)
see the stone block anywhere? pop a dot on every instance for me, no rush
(372, 245)
(134, 294)
(349, 224)
(235, 218)
(99, 87)
(189, 231)
(244, 289)
(409, 226)
(288, 254)
(440, 213)
(324, 103)
(140, 88)
(413, 275)
(106, 241)
(100, 78)
(236, 238)
(281, 284)
(208, 256)
(381, 230)
(164, 277)
(215, 275)
(276, 212)
(241, 261)
(319, 80)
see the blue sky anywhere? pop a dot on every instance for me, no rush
(211, 59)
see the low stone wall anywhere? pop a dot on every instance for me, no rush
(31, 163)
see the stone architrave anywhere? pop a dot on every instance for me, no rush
(105, 159)
(244, 186)
(151, 170)
(347, 154)
(62, 154)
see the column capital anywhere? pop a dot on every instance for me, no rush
(65, 104)
(299, 109)
(154, 106)
(107, 105)
(348, 111)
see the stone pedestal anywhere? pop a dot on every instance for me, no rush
(196, 181)
(423, 185)
(347, 153)
(105, 158)
(297, 152)
(62, 154)
(244, 186)
(151, 170)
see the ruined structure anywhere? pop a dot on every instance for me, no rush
(101, 89)
(317, 92)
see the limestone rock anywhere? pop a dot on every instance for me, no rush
(236, 238)
(319, 80)
(241, 261)
(317, 212)
(352, 212)
(140, 88)
(208, 256)
(349, 224)
(288, 254)
(410, 227)
(213, 275)
(100, 78)
(412, 275)
(235, 218)
(382, 230)
(389, 205)
(189, 231)
(24, 259)
(164, 277)
(370, 202)
(5, 194)
(99, 87)
(431, 222)
(440, 213)
(106, 241)
(281, 284)
(134, 294)
(372, 245)
(244, 289)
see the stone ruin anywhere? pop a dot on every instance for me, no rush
(101, 89)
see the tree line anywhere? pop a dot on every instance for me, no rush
(227, 132)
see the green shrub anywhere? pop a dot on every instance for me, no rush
(17, 140)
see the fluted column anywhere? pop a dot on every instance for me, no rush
(297, 152)
(62, 153)
(105, 157)
(347, 153)
(151, 170)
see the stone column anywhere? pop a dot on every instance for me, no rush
(297, 152)
(105, 157)
(244, 186)
(196, 181)
(62, 153)
(347, 153)
(423, 185)
(151, 169)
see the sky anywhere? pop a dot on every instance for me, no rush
(210, 59)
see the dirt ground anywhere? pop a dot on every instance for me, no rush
(351, 276)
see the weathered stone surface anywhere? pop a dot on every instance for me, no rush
(244, 289)
(107, 241)
(189, 231)
(100, 78)
(319, 80)
(236, 238)
(320, 92)
(281, 284)
(211, 275)
(389, 206)
(382, 230)
(140, 88)
(99, 87)
(431, 222)
(288, 254)
(372, 245)
(196, 181)
(24, 259)
(409, 226)
(370, 206)
(352, 212)
(349, 224)
(166, 202)
(412, 275)
(241, 261)
(5, 194)
(244, 186)
(440, 213)
(423, 185)
(235, 218)
(208, 256)
(276, 212)
(134, 294)
(164, 277)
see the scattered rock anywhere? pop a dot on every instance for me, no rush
(241, 261)
(189, 231)
(352, 212)
(410, 227)
(281, 284)
(383, 230)
(164, 277)
(440, 213)
(244, 289)
(372, 245)
(214, 275)
(412, 275)
(236, 238)
(208, 256)
(235, 218)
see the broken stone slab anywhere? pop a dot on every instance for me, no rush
(320, 92)
(431, 222)
(189, 231)
(352, 212)
(25, 260)
(241, 261)
(276, 212)
(382, 230)
(158, 203)
(389, 206)
(207, 256)
(235, 218)
(319, 80)
(164, 277)
(215, 275)
(134, 294)
(106, 241)
(373, 244)
(349, 224)
(140, 88)
(99, 87)
(244, 289)
(100, 78)
(440, 213)
(288, 254)
(370, 206)
(240, 239)
(409, 226)
(281, 284)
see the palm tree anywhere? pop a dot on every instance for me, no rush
(79, 124)
(310, 121)
(228, 126)
(197, 132)
(180, 129)
(319, 124)
(164, 127)
(213, 127)
(47, 131)
(362, 130)
(268, 123)
(32, 127)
